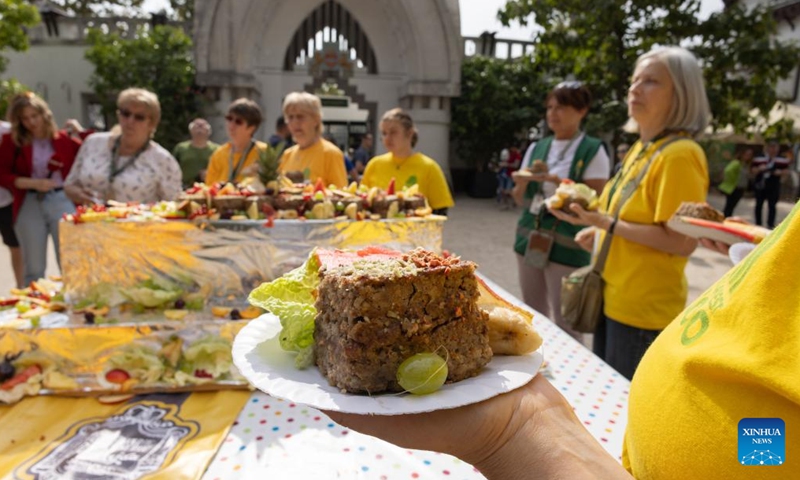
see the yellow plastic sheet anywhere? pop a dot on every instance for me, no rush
(155, 437)
(222, 258)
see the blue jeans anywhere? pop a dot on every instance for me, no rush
(37, 219)
(622, 346)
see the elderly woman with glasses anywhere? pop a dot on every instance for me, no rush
(237, 159)
(35, 158)
(313, 158)
(126, 165)
(545, 247)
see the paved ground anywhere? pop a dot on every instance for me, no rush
(478, 230)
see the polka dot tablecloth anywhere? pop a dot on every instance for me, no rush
(277, 439)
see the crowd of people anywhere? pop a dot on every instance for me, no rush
(45, 172)
(697, 370)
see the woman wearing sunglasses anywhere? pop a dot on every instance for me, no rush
(313, 158)
(35, 158)
(237, 158)
(545, 247)
(126, 165)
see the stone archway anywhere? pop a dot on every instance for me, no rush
(241, 48)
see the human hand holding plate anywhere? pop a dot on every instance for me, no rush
(258, 356)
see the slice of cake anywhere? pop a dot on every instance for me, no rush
(374, 313)
(700, 210)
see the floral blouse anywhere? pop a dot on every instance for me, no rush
(154, 176)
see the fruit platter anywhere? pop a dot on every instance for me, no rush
(117, 360)
(225, 240)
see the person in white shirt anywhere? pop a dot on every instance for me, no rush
(545, 247)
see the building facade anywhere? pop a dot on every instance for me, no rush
(375, 55)
(363, 57)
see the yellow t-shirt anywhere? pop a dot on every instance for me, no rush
(416, 169)
(646, 288)
(219, 163)
(732, 354)
(321, 160)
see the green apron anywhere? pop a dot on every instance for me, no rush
(565, 250)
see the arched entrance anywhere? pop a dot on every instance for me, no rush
(400, 53)
(331, 46)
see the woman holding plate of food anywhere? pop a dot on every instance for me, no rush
(710, 372)
(545, 247)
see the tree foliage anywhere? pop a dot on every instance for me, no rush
(159, 60)
(15, 16)
(499, 101)
(741, 60)
(9, 88)
(182, 10)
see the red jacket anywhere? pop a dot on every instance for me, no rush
(65, 147)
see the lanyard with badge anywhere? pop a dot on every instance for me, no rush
(540, 242)
(622, 174)
(234, 172)
(114, 170)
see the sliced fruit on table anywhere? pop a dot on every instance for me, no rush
(117, 376)
(176, 314)
(222, 312)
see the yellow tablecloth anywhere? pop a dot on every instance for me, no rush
(175, 436)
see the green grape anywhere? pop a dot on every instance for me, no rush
(422, 373)
(23, 307)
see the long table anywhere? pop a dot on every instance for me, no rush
(270, 438)
(276, 439)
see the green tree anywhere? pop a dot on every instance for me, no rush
(499, 101)
(182, 10)
(15, 16)
(9, 88)
(159, 60)
(599, 45)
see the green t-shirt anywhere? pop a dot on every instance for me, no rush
(192, 159)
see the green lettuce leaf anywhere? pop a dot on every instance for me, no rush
(211, 354)
(141, 363)
(291, 299)
(150, 298)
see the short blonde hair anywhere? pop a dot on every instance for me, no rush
(19, 134)
(145, 98)
(305, 102)
(690, 110)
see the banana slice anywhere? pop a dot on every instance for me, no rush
(511, 333)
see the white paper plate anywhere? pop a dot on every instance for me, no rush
(726, 233)
(259, 357)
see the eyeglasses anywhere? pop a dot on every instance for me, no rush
(570, 85)
(237, 120)
(125, 113)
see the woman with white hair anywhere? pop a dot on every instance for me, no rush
(715, 371)
(312, 158)
(125, 164)
(645, 287)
